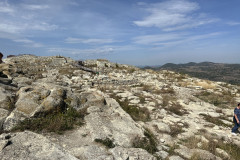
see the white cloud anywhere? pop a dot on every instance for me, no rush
(35, 7)
(22, 18)
(41, 26)
(172, 39)
(20, 27)
(174, 15)
(152, 39)
(232, 23)
(27, 42)
(84, 52)
(6, 8)
(10, 28)
(88, 41)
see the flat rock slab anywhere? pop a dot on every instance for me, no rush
(31, 146)
(111, 121)
(131, 154)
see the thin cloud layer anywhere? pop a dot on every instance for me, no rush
(83, 52)
(174, 15)
(88, 41)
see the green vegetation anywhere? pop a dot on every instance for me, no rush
(106, 142)
(137, 113)
(220, 100)
(149, 142)
(10, 104)
(58, 122)
(131, 70)
(215, 120)
(172, 148)
(195, 156)
(175, 130)
(211, 145)
(166, 100)
(177, 109)
(67, 71)
(91, 65)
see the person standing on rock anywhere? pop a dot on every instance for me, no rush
(1, 55)
(236, 119)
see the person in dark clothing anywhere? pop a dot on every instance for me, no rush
(1, 55)
(236, 119)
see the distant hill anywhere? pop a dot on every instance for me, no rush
(229, 73)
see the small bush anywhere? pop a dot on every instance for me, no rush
(142, 99)
(53, 122)
(149, 142)
(172, 148)
(195, 156)
(206, 85)
(230, 148)
(10, 104)
(137, 113)
(215, 120)
(131, 70)
(175, 130)
(146, 88)
(177, 109)
(166, 99)
(220, 100)
(106, 142)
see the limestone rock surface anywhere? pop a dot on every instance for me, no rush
(32, 146)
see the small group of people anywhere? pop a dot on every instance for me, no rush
(236, 119)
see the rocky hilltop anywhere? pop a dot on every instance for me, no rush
(58, 108)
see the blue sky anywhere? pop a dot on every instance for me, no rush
(148, 32)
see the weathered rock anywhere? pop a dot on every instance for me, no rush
(110, 121)
(22, 81)
(93, 152)
(12, 120)
(91, 98)
(32, 101)
(131, 154)
(3, 144)
(175, 158)
(188, 153)
(162, 154)
(3, 116)
(223, 153)
(29, 145)
(5, 99)
(5, 81)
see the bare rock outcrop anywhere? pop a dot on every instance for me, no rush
(116, 112)
(30, 146)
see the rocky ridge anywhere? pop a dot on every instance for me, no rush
(116, 112)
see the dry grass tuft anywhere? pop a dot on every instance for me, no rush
(206, 85)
